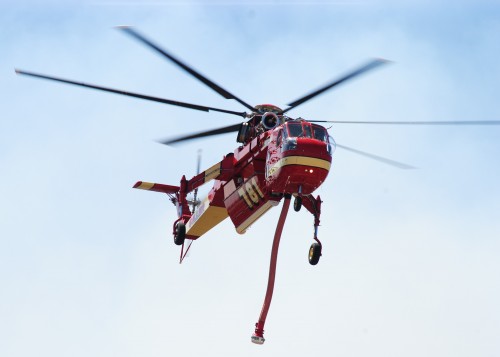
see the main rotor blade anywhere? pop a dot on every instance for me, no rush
(185, 67)
(224, 130)
(130, 94)
(397, 164)
(370, 65)
(456, 122)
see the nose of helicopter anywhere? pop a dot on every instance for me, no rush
(304, 165)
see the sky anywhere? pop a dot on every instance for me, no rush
(410, 260)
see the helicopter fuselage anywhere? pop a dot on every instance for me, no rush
(292, 158)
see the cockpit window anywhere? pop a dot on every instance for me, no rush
(319, 133)
(299, 130)
(295, 130)
(307, 131)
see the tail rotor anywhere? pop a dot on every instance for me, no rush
(195, 202)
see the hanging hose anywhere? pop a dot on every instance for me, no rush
(258, 336)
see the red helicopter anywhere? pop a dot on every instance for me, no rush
(278, 158)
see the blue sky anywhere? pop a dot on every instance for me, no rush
(410, 264)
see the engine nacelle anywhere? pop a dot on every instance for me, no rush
(269, 120)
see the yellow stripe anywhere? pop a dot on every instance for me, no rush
(257, 214)
(300, 160)
(145, 185)
(212, 172)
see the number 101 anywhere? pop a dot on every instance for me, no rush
(250, 192)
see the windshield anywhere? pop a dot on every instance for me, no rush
(320, 133)
(294, 129)
(305, 130)
(299, 130)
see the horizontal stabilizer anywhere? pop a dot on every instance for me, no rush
(157, 187)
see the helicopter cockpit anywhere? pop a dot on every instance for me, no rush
(304, 129)
(294, 130)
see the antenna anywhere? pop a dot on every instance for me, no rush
(195, 196)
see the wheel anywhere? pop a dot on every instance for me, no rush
(180, 233)
(314, 253)
(297, 203)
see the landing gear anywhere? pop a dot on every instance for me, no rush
(314, 253)
(179, 233)
(297, 203)
(313, 205)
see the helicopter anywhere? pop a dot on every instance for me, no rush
(278, 158)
